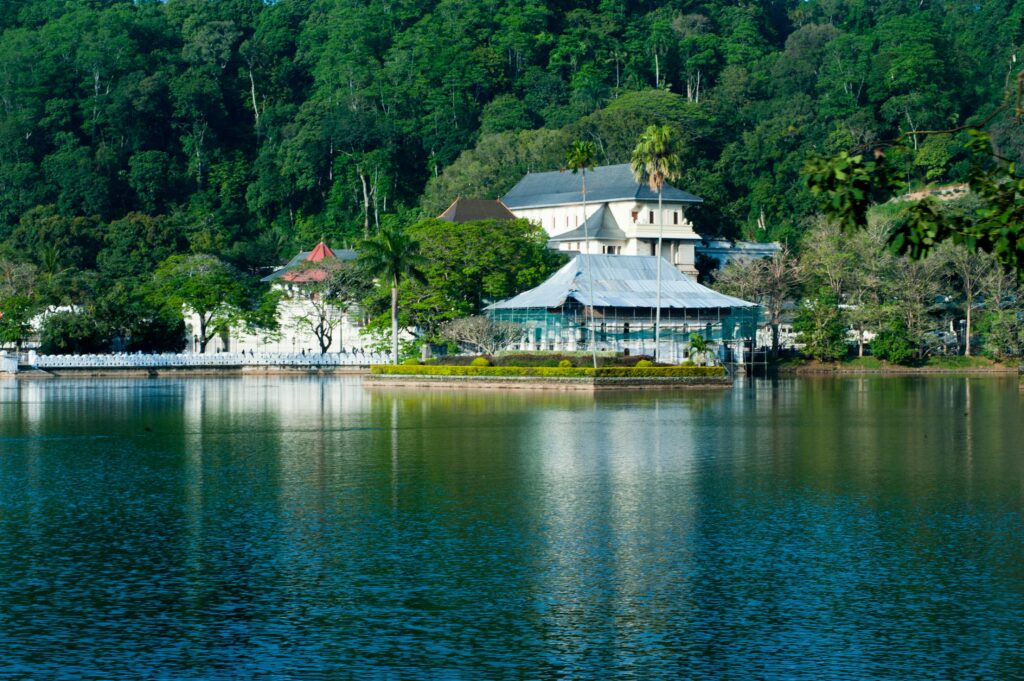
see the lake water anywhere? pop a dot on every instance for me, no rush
(277, 528)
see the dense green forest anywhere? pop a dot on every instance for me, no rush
(131, 131)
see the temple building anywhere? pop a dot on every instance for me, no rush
(298, 314)
(621, 215)
(557, 314)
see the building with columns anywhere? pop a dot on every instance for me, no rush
(621, 214)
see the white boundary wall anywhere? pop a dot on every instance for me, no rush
(220, 359)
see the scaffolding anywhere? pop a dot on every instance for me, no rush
(610, 302)
(632, 330)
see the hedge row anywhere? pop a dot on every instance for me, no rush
(552, 372)
(539, 359)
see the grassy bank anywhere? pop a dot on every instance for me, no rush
(929, 365)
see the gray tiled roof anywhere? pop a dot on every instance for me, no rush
(604, 183)
(601, 225)
(343, 254)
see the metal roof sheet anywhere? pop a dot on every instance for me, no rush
(620, 281)
(604, 183)
(601, 225)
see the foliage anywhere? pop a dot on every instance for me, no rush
(769, 282)
(565, 363)
(820, 326)
(480, 362)
(655, 160)
(202, 285)
(849, 184)
(466, 266)
(392, 256)
(134, 131)
(644, 363)
(482, 333)
(63, 333)
(553, 372)
(894, 343)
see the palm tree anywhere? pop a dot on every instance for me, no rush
(392, 255)
(655, 161)
(581, 156)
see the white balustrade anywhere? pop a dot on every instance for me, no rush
(222, 359)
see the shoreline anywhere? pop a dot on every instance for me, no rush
(823, 369)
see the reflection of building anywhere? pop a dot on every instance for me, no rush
(622, 214)
(556, 314)
(296, 313)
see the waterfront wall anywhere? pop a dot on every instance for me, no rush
(188, 362)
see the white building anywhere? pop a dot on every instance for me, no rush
(621, 214)
(296, 314)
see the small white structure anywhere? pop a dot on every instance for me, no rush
(621, 214)
(296, 335)
(724, 252)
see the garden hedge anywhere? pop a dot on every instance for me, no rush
(551, 372)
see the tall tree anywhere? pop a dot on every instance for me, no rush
(968, 270)
(581, 156)
(655, 162)
(393, 256)
(202, 285)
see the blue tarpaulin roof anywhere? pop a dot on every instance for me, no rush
(620, 281)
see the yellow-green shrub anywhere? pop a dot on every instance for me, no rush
(644, 363)
(480, 362)
(565, 363)
(552, 372)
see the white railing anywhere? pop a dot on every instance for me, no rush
(219, 359)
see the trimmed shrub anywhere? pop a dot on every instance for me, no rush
(480, 362)
(551, 372)
(412, 361)
(565, 363)
(644, 363)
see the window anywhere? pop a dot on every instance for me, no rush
(635, 215)
(625, 333)
(652, 217)
(675, 217)
(611, 250)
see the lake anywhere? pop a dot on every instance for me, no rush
(277, 528)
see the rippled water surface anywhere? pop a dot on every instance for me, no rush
(279, 528)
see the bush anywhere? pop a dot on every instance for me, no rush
(77, 333)
(552, 372)
(412, 361)
(894, 344)
(644, 363)
(565, 363)
(480, 362)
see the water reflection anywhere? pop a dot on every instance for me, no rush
(304, 527)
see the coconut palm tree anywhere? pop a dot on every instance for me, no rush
(392, 256)
(581, 156)
(655, 161)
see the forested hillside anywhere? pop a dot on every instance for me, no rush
(130, 131)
